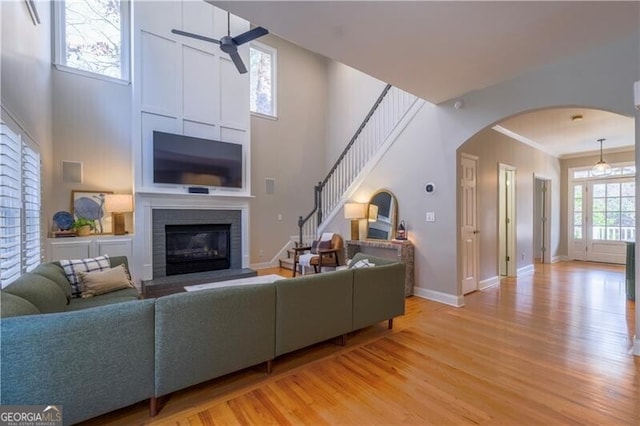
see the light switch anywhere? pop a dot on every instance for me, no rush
(279, 216)
(431, 216)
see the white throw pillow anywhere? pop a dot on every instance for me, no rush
(363, 263)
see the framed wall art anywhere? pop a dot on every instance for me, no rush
(90, 205)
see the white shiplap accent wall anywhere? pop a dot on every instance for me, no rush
(185, 86)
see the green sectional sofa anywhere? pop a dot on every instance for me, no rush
(96, 355)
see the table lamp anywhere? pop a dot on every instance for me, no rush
(117, 205)
(355, 212)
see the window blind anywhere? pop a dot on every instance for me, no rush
(10, 205)
(31, 190)
(20, 205)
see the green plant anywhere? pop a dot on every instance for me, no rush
(81, 221)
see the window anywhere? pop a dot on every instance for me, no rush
(92, 36)
(262, 84)
(20, 242)
(614, 211)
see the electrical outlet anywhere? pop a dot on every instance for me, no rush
(431, 216)
(279, 217)
(260, 253)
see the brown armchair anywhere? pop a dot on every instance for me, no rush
(322, 253)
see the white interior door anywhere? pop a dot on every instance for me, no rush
(541, 225)
(469, 223)
(507, 260)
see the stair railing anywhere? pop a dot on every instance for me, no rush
(385, 114)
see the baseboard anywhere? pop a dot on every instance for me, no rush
(263, 265)
(635, 350)
(525, 269)
(489, 282)
(437, 296)
(563, 258)
(636, 346)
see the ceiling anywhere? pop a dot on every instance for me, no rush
(442, 50)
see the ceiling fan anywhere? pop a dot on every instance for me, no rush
(230, 44)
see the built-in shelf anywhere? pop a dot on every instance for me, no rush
(402, 251)
(90, 246)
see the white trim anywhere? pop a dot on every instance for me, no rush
(526, 269)
(524, 140)
(265, 116)
(89, 74)
(561, 258)
(275, 260)
(437, 296)
(635, 350)
(489, 282)
(597, 152)
(269, 50)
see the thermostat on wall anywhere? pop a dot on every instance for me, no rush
(430, 188)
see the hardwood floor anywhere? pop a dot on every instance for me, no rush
(550, 347)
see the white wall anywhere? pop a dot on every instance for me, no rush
(426, 150)
(290, 149)
(26, 83)
(91, 125)
(494, 148)
(186, 86)
(351, 95)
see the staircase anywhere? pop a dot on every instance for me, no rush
(388, 116)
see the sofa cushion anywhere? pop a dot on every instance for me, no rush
(100, 282)
(56, 274)
(43, 293)
(119, 296)
(313, 308)
(73, 266)
(14, 306)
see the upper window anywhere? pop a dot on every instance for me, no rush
(93, 36)
(262, 66)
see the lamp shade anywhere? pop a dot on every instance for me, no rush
(373, 213)
(118, 203)
(355, 211)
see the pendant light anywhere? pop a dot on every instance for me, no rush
(601, 168)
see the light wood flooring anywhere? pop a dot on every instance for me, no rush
(547, 348)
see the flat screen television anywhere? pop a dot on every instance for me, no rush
(187, 160)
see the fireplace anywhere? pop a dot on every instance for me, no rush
(197, 248)
(194, 222)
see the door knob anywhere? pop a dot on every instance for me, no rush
(476, 232)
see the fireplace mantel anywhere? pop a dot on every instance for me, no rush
(147, 202)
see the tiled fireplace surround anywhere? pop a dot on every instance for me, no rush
(155, 210)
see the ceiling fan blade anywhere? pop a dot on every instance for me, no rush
(196, 36)
(237, 60)
(250, 35)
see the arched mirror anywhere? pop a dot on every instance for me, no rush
(382, 216)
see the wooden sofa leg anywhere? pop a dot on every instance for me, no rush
(390, 323)
(153, 406)
(269, 366)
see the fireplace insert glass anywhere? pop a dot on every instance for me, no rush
(197, 248)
